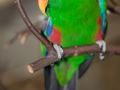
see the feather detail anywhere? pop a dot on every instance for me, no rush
(99, 32)
(99, 35)
(49, 27)
(55, 36)
(103, 8)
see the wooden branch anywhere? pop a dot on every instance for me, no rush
(41, 63)
(31, 27)
(68, 52)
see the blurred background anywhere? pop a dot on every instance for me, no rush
(102, 75)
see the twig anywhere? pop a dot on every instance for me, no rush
(22, 34)
(31, 27)
(71, 51)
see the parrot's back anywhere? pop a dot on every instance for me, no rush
(73, 23)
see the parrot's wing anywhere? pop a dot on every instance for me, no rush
(46, 32)
(103, 7)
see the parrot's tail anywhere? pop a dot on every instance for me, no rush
(51, 83)
(84, 66)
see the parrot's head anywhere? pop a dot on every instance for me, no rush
(42, 5)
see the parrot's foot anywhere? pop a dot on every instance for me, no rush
(102, 45)
(59, 51)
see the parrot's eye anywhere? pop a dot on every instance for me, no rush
(48, 6)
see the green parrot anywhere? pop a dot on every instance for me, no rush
(73, 23)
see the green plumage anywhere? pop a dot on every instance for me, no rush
(77, 21)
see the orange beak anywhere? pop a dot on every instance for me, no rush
(42, 5)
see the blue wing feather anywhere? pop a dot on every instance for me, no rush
(103, 8)
(48, 29)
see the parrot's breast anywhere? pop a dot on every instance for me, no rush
(75, 20)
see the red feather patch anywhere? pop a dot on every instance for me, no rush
(100, 32)
(100, 21)
(55, 37)
(99, 35)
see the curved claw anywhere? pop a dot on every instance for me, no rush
(102, 45)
